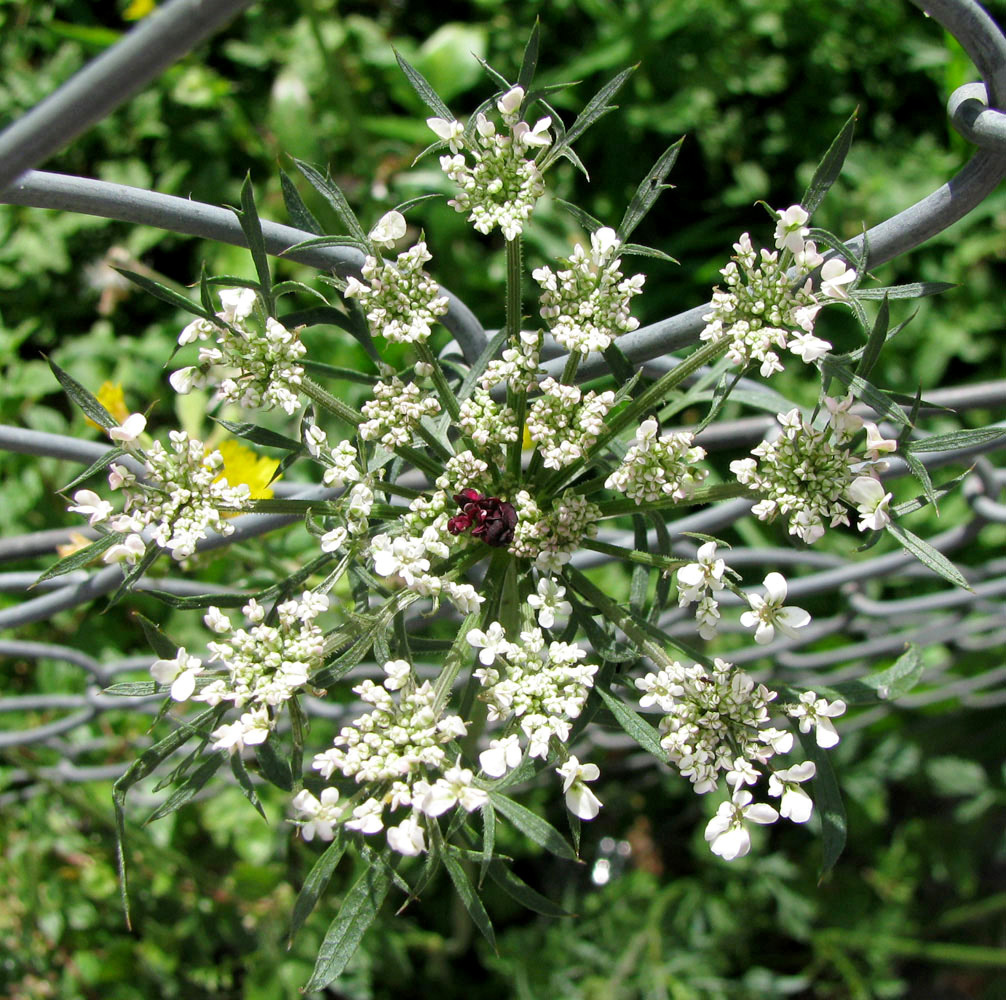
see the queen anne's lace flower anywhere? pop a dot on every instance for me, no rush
(655, 468)
(768, 614)
(401, 301)
(726, 833)
(586, 303)
(564, 423)
(550, 538)
(394, 413)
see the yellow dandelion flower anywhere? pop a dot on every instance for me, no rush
(242, 465)
(75, 544)
(528, 442)
(139, 9)
(111, 397)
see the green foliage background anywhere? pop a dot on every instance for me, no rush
(915, 907)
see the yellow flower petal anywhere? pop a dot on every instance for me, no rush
(242, 465)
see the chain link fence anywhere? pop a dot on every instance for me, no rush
(866, 625)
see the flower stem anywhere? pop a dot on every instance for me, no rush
(516, 398)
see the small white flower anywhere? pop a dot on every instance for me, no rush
(407, 838)
(120, 477)
(367, 818)
(726, 833)
(130, 550)
(130, 428)
(816, 713)
(320, 814)
(399, 672)
(796, 804)
(705, 573)
(510, 102)
(834, 278)
(790, 229)
(492, 643)
(537, 136)
(389, 229)
(450, 132)
(183, 380)
(334, 539)
(88, 503)
(580, 800)
(872, 503)
(216, 620)
(549, 604)
(767, 613)
(502, 756)
(807, 347)
(179, 672)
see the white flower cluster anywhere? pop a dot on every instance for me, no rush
(265, 666)
(564, 423)
(718, 722)
(267, 360)
(586, 304)
(401, 301)
(808, 474)
(697, 582)
(489, 424)
(654, 468)
(550, 538)
(461, 471)
(764, 306)
(395, 411)
(518, 364)
(542, 690)
(395, 749)
(502, 183)
(183, 498)
(342, 464)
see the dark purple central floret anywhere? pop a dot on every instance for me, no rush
(489, 518)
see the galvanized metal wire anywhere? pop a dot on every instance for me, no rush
(872, 625)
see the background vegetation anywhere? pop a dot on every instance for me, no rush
(916, 907)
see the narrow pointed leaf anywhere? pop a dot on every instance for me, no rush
(166, 294)
(598, 105)
(82, 398)
(584, 219)
(299, 214)
(329, 190)
(830, 167)
(956, 440)
(252, 228)
(358, 911)
(648, 191)
(927, 555)
(163, 646)
(194, 783)
(464, 888)
(81, 558)
(426, 93)
(828, 805)
(518, 889)
(634, 724)
(274, 764)
(533, 826)
(260, 435)
(530, 61)
(245, 783)
(885, 685)
(316, 883)
(878, 337)
(96, 466)
(913, 290)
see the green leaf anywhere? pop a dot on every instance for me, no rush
(163, 647)
(80, 558)
(192, 784)
(830, 167)
(316, 882)
(464, 888)
(275, 767)
(319, 368)
(876, 341)
(828, 803)
(132, 689)
(426, 93)
(252, 228)
(488, 838)
(519, 890)
(885, 685)
(529, 63)
(96, 466)
(618, 363)
(633, 724)
(259, 435)
(913, 290)
(584, 219)
(649, 191)
(927, 555)
(329, 190)
(955, 440)
(81, 397)
(533, 826)
(168, 295)
(299, 214)
(358, 911)
(597, 106)
(198, 601)
(832, 367)
(244, 781)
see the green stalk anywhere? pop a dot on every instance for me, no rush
(517, 399)
(708, 494)
(328, 402)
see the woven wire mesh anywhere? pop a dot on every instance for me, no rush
(867, 624)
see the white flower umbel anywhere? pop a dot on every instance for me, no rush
(580, 800)
(394, 413)
(542, 689)
(496, 172)
(564, 423)
(551, 537)
(655, 468)
(586, 303)
(726, 833)
(489, 424)
(260, 362)
(401, 301)
(768, 614)
(712, 718)
(803, 473)
(796, 804)
(183, 498)
(764, 306)
(816, 713)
